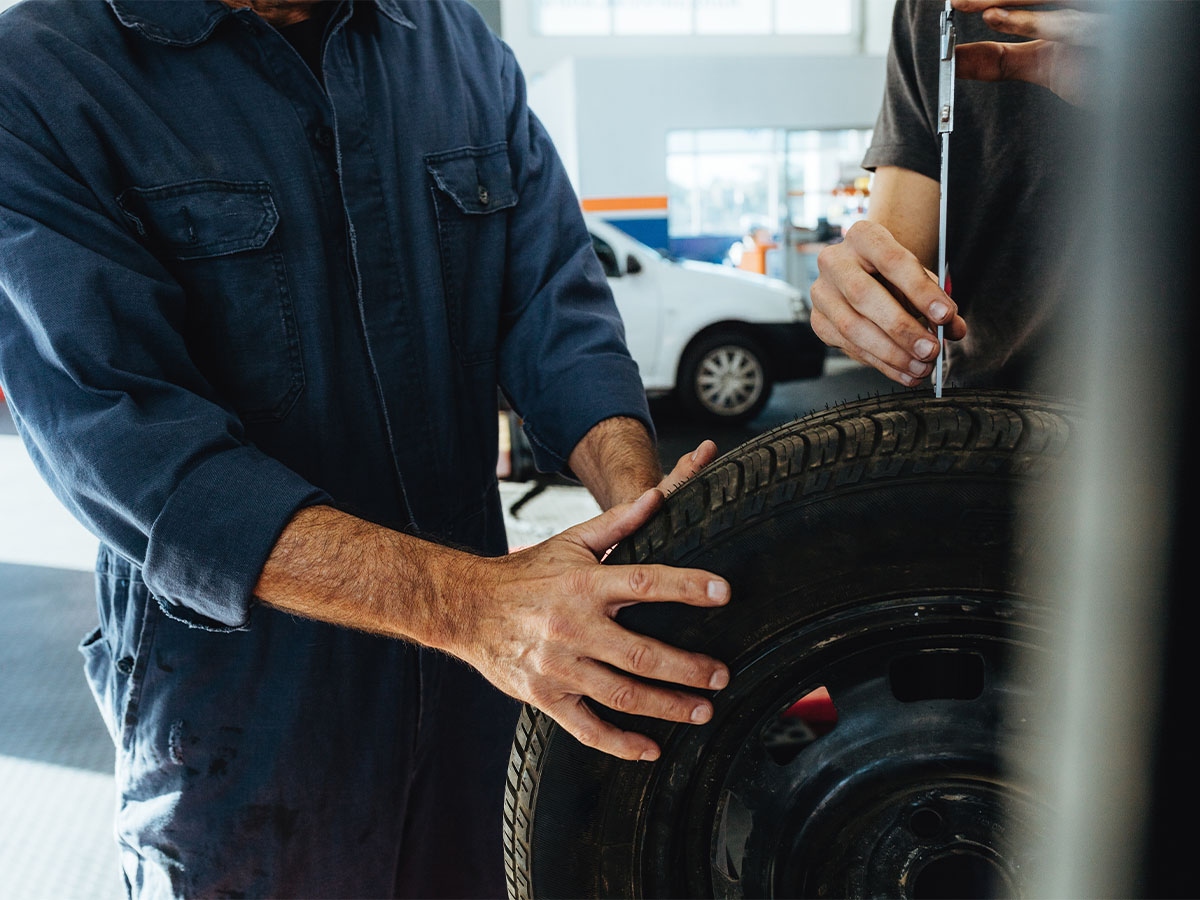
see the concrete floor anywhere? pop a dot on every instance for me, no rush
(55, 754)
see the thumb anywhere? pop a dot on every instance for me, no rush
(618, 523)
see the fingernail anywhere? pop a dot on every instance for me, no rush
(938, 309)
(924, 347)
(909, 380)
(694, 452)
(718, 591)
(700, 714)
(999, 13)
(719, 680)
(649, 756)
(918, 368)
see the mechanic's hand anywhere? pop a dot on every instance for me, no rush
(689, 464)
(871, 298)
(539, 625)
(1059, 57)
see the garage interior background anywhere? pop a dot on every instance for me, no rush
(703, 127)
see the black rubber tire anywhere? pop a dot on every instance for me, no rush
(836, 532)
(686, 388)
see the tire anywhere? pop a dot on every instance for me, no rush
(872, 552)
(724, 378)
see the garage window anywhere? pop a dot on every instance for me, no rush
(730, 181)
(692, 17)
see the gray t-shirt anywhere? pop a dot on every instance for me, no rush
(1009, 225)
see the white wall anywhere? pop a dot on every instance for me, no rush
(552, 96)
(537, 53)
(623, 112)
(609, 102)
(877, 26)
(872, 24)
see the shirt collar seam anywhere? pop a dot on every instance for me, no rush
(391, 9)
(178, 36)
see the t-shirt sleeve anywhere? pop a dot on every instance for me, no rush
(905, 132)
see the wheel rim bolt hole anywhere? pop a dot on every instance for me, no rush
(925, 822)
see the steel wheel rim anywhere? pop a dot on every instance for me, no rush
(978, 778)
(729, 380)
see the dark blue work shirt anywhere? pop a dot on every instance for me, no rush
(228, 291)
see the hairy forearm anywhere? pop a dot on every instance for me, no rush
(333, 567)
(617, 461)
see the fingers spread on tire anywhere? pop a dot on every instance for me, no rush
(592, 731)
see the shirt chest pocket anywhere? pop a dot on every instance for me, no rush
(472, 187)
(216, 239)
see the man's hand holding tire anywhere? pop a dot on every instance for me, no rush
(539, 624)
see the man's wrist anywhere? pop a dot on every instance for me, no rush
(617, 461)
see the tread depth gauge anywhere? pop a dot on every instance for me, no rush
(945, 127)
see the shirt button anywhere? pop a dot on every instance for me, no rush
(483, 195)
(125, 665)
(324, 135)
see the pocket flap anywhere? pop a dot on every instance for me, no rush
(197, 219)
(478, 179)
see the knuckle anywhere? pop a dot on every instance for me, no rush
(641, 581)
(578, 582)
(538, 695)
(549, 665)
(538, 661)
(700, 671)
(624, 698)
(559, 628)
(818, 293)
(829, 253)
(857, 329)
(858, 231)
(854, 330)
(866, 232)
(899, 323)
(895, 257)
(589, 737)
(860, 290)
(641, 658)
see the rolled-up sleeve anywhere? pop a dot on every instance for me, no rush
(117, 418)
(563, 360)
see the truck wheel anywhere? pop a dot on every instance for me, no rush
(883, 644)
(724, 378)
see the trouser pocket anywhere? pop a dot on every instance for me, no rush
(98, 668)
(116, 654)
